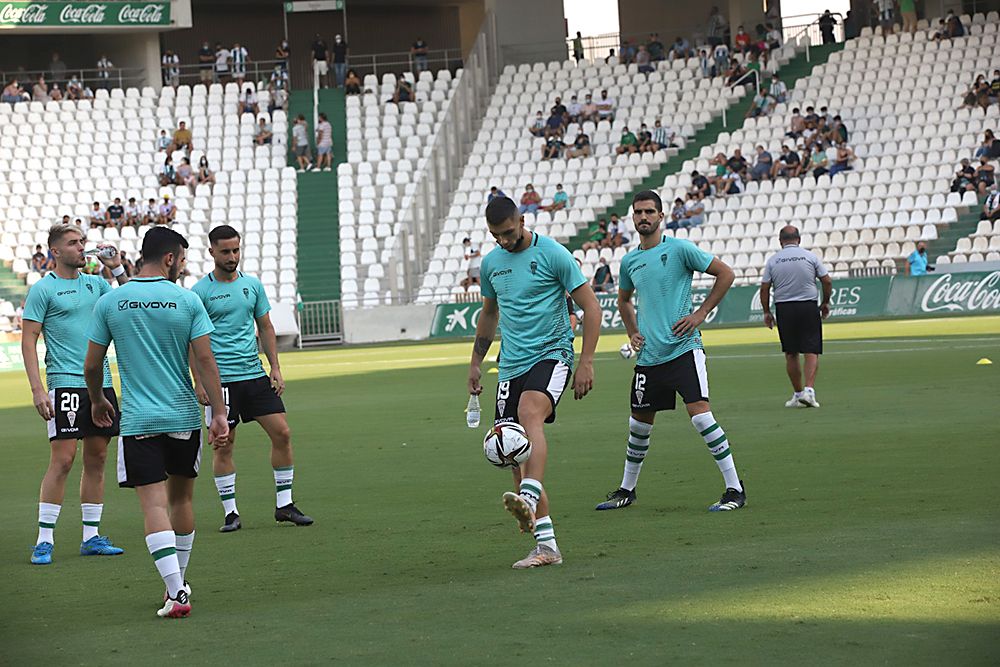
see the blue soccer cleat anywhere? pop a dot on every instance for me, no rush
(42, 554)
(99, 545)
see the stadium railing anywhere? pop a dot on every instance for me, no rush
(118, 77)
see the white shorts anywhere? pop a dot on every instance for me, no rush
(319, 67)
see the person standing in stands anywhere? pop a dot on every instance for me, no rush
(339, 60)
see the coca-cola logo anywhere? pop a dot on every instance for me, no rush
(140, 14)
(956, 295)
(22, 15)
(89, 14)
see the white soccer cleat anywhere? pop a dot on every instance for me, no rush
(179, 607)
(519, 507)
(793, 402)
(540, 556)
(186, 588)
(808, 398)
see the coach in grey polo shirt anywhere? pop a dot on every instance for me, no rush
(793, 273)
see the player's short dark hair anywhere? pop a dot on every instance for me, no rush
(222, 233)
(648, 195)
(159, 241)
(500, 210)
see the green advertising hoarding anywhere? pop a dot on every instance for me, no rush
(83, 14)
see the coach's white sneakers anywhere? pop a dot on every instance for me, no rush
(808, 398)
(793, 402)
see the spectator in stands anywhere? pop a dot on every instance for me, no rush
(300, 143)
(732, 182)
(762, 105)
(167, 212)
(716, 28)
(580, 147)
(530, 200)
(826, 25)
(554, 145)
(597, 236)
(55, 94)
(614, 238)
(705, 63)
(788, 165)
(838, 131)
(590, 111)
(604, 280)
(611, 58)
(916, 263)
(995, 87)
(39, 262)
(404, 91)
(278, 101)
(985, 176)
(578, 47)
(281, 53)
(695, 211)
(655, 47)
(473, 255)
(680, 49)
(74, 89)
(170, 66)
(133, 214)
(645, 140)
(168, 174)
(818, 161)
(163, 142)
(778, 90)
(554, 124)
(773, 37)
(629, 142)
(560, 200)
(678, 215)
(737, 162)
(718, 172)
(606, 107)
(886, 16)
(494, 193)
(762, 166)
(663, 137)
(721, 56)
(908, 10)
(643, 60)
(735, 72)
(537, 125)
(419, 53)
(151, 213)
(183, 139)
(263, 133)
(320, 57)
(954, 25)
(742, 40)
(978, 95)
(239, 57)
(279, 79)
(116, 214)
(57, 69)
(991, 207)
(98, 217)
(40, 91)
(339, 53)
(845, 156)
(248, 102)
(324, 143)
(574, 111)
(352, 84)
(206, 61)
(186, 174)
(222, 59)
(700, 187)
(205, 175)
(11, 93)
(990, 146)
(127, 265)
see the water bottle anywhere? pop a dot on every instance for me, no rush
(106, 252)
(472, 411)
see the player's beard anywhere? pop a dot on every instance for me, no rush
(517, 244)
(645, 228)
(174, 272)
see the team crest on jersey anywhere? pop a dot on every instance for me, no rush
(90, 288)
(501, 406)
(246, 293)
(71, 418)
(663, 259)
(638, 397)
(533, 266)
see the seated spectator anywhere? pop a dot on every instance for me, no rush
(844, 158)
(762, 165)
(186, 175)
(248, 102)
(645, 140)
(663, 136)
(133, 214)
(279, 100)
(818, 161)
(680, 49)
(627, 52)
(404, 91)
(11, 92)
(590, 111)
(530, 200)
(606, 107)
(537, 125)
(762, 105)
(991, 207)
(916, 263)
(643, 60)
(279, 79)
(580, 147)
(965, 178)
(604, 280)
(352, 84)
(773, 37)
(560, 200)
(985, 176)
(838, 131)
(741, 41)
(473, 255)
(560, 109)
(183, 139)
(55, 93)
(151, 213)
(168, 175)
(554, 146)
(97, 217)
(719, 162)
(735, 72)
(554, 124)
(732, 182)
(614, 237)
(163, 143)
(494, 193)
(995, 86)
(574, 111)
(74, 89)
(263, 133)
(778, 90)
(597, 236)
(678, 214)
(978, 95)
(955, 26)
(737, 162)
(699, 185)
(788, 165)
(39, 261)
(797, 125)
(611, 59)
(167, 212)
(116, 214)
(628, 144)
(990, 146)
(40, 91)
(127, 264)
(205, 174)
(695, 211)
(655, 47)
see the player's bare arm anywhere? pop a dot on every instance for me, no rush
(218, 430)
(765, 304)
(269, 342)
(626, 308)
(101, 410)
(724, 277)
(199, 391)
(824, 307)
(486, 330)
(114, 263)
(30, 331)
(583, 378)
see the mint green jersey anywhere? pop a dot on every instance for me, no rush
(661, 276)
(152, 321)
(234, 307)
(530, 287)
(64, 309)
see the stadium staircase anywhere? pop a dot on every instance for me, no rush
(949, 234)
(318, 225)
(12, 287)
(796, 69)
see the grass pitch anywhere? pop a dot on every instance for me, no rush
(871, 533)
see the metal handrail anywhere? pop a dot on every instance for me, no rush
(118, 77)
(805, 28)
(256, 70)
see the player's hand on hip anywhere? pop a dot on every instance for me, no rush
(583, 380)
(687, 325)
(43, 404)
(769, 320)
(103, 413)
(277, 382)
(637, 341)
(218, 431)
(824, 310)
(201, 394)
(475, 374)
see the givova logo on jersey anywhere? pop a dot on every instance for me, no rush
(125, 304)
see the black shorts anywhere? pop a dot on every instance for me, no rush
(800, 327)
(655, 388)
(146, 460)
(551, 377)
(248, 399)
(73, 420)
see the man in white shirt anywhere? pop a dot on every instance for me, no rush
(606, 107)
(104, 71)
(778, 90)
(474, 257)
(240, 57)
(300, 143)
(171, 69)
(222, 57)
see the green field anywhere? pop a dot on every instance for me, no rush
(871, 535)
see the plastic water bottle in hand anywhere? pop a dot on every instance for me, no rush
(472, 411)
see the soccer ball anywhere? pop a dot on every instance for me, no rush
(626, 351)
(507, 445)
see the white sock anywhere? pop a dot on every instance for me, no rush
(91, 519)
(718, 445)
(185, 542)
(808, 389)
(531, 491)
(48, 514)
(283, 485)
(545, 533)
(226, 485)
(163, 548)
(635, 453)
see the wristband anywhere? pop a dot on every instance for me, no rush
(118, 271)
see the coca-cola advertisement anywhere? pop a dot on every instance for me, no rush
(84, 14)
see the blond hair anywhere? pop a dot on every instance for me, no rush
(61, 229)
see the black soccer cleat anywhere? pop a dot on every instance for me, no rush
(730, 500)
(618, 498)
(232, 523)
(292, 514)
